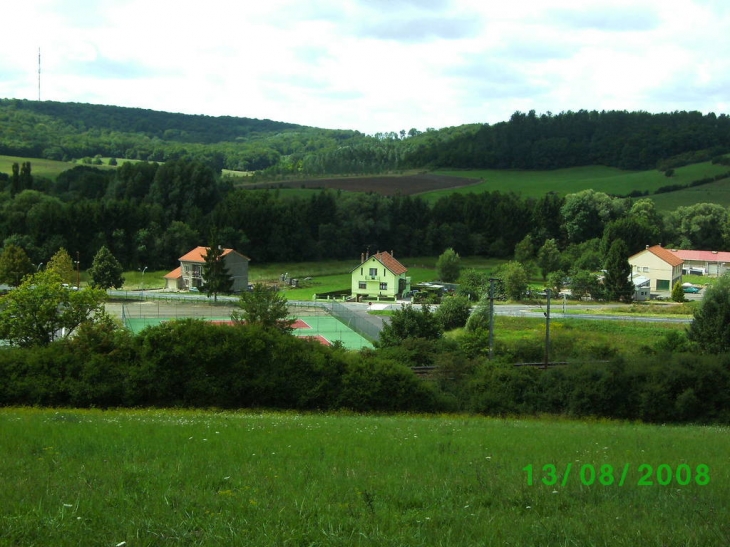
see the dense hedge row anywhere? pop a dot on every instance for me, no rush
(192, 363)
(658, 388)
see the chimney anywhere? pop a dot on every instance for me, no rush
(647, 246)
(362, 258)
(392, 253)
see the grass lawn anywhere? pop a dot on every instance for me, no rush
(335, 275)
(159, 477)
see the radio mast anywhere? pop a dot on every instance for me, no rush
(39, 74)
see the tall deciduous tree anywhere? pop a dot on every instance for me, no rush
(216, 277)
(263, 306)
(42, 310)
(617, 282)
(514, 280)
(448, 266)
(14, 265)
(548, 258)
(62, 264)
(710, 327)
(106, 271)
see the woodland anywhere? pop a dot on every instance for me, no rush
(171, 196)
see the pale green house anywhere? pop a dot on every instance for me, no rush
(380, 276)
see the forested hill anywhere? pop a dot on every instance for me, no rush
(627, 140)
(72, 131)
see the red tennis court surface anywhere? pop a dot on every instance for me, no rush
(298, 324)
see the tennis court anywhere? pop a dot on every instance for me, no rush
(313, 324)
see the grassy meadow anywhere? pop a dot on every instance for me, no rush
(574, 179)
(175, 477)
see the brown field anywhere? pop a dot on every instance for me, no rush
(387, 185)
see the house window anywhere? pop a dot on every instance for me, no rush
(662, 284)
(373, 272)
(196, 270)
(646, 269)
(383, 286)
(362, 285)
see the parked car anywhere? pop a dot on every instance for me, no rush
(692, 290)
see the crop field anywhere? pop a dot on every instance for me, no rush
(174, 477)
(437, 184)
(382, 184)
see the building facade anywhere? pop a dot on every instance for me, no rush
(189, 274)
(380, 276)
(659, 265)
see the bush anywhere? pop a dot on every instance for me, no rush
(453, 312)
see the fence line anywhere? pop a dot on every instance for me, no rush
(138, 304)
(355, 321)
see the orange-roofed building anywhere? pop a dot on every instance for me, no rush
(190, 272)
(662, 267)
(380, 276)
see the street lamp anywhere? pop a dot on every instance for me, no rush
(38, 266)
(142, 270)
(78, 270)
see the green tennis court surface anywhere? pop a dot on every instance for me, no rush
(324, 329)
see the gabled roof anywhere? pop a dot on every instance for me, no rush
(198, 254)
(702, 256)
(390, 263)
(174, 274)
(664, 254)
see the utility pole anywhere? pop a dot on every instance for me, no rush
(547, 331)
(39, 74)
(78, 271)
(491, 317)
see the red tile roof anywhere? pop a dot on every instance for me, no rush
(387, 260)
(703, 256)
(198, 254)
(666, 255)
(174, 274)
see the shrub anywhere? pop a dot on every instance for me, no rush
(453, 312)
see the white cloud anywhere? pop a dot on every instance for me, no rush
(371, 65)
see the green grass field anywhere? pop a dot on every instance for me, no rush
(715, 192)
(174, 477)
(43, 168)
(567, 181)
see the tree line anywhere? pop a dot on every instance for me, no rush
(149, 214)
(274, 150)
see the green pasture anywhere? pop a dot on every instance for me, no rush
(573, 337)
(714, 192)
(175, 477)
(567, 181)
(49, 169)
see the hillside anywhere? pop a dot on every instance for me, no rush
(277, 150)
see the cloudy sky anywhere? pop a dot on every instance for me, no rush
(371, 65)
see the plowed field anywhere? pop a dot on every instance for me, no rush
(385, 185)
